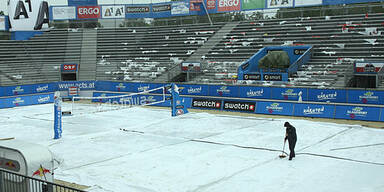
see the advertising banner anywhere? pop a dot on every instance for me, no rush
(203, 103)
(63, 13)
(274, 108)
(180, 8)
(279, 3)
(82, 85)
(68, 68)
(365, 97)
(141, 87)
(255, 92)
(138, 11)
(42, 99)
(28, 15)
(299, 3)
(43, 88)
(18, 90)
(368, 67)
(228, 5)
(239, 106)
(210, 4)
(88, 12)
(193, 89)
(113, 11)
(161, 10)
(357, 113)
(292, 94)
(253, 4)
(57, 118)
(81, 2)
(327, 95)
(310, 110)
(196, 5)
(223, 91)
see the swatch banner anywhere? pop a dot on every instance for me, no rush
(274, 108)
(204, 103)
(161, 10)
(239, 106)
(309, 110)
(223, 91)
(366, 97)
(292, 94)
(357, 113)
(327, 95)
(279, 3)
(255, 92)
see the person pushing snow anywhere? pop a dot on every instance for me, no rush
(290, 135)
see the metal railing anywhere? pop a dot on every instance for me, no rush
(13, 182)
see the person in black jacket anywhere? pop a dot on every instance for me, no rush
(290, 134)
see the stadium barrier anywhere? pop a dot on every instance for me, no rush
(355, 104)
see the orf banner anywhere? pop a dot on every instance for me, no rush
(57, 116)
(309, 110)
(357, 113)
(28, 15)
(228, 5)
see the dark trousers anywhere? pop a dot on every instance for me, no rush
(292, 144)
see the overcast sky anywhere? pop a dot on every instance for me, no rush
(3, 3)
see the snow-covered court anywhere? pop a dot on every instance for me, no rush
(145, 149)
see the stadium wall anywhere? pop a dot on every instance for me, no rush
(353, 104)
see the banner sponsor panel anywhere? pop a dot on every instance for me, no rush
(27, 89)
(223, 91)
(63, 13)
(193, 89)
(19, 101)
(113, 11)
(274, 108)
(180, 8)
(253, 4)
(357, 113)
(292, 94)
(255, 92)
(203, 103)
(88, 12)
(28, 15)
(368, 67)
(382, 115)
(228, 5)
(3, 20)
(365, 97)
(69, 68)
(138, 11)
(310, 110)
(279, 3)
(141, 87)
(243, 106)
(327, 95)
(307, 3)
(161, 10)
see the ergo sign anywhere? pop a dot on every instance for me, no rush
(229, 5)
(88, 12)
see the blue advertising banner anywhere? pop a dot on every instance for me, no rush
(10, 102)
(44, 88)
(223, 91)
(255, 92)
(138, 11)
(193, 89)
(365, 97)
(27, 89)
(341, 2)
(274, 108)
(327, 95)
(42, 99)
(2, 91)
(161, 10)
(382, 114)
(292, 94)
(81, 2)
(309, 110)
(113, 86)
(82, 85)
(357, 113)
(141, 87)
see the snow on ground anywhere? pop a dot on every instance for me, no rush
(200, 152)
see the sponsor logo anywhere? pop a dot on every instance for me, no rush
(313, 111)
(120, 86)
(252, 77)
(279, 3)
(88, 12)
(252, 93)
(192, 90)
(128, 101)
(136, 9)
(17, 90)
(18, 101)
(143, 88)
(161, 8)
(179, 112)
(299, 51)
(41, 89)
(239, 106)
(289, 93)
(69, 67)
(223, 90)
(328, 96)
(211, 4)
(41, 172)
(229, 5)
(273, 77)
(44, 99)
(357, 112)
(368, 96)
(274, 107)
(244, 66)
(206, 103)
(113, 11)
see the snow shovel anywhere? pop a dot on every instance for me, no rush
(282, 154)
